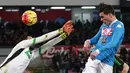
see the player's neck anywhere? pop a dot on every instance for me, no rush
(113, 19)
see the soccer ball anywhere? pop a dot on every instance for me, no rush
(29, 18)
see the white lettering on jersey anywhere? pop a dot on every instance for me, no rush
(107, 31)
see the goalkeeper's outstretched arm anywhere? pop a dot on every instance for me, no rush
(43, 38)
(67, 28)
(49, 45)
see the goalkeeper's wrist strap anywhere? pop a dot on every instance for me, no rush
(60, 30)
(63, 35)
(34, 41)
(117, 62)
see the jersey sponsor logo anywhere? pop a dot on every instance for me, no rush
(107, 31)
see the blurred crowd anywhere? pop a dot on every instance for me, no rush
(11, 32)
(73, 60)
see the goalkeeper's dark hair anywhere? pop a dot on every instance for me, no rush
(106, 9)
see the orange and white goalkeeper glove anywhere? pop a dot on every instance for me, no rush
(68, 27)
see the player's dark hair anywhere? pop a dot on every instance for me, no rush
(106, 9)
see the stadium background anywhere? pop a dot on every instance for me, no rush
(86, 22)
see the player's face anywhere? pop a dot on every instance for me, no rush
(105, 18)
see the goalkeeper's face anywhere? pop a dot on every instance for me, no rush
(105, 18)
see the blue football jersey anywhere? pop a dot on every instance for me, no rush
(108, 40)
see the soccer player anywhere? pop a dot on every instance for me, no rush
(107, 40)
(22, 53)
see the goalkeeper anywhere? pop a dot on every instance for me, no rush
(21, 55)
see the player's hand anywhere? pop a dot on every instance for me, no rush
(94, 54)
(86, 46)
(68, 27)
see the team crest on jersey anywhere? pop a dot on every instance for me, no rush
(104, 40)
(107, 31)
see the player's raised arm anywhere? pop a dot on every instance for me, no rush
(66, 29)
(49, 45)
(53, 42)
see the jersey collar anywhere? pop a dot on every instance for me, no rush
(112, 22)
